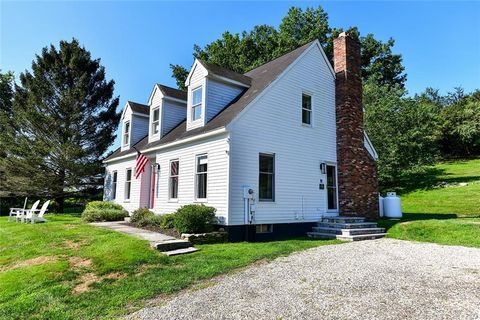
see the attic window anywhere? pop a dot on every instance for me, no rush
(196, 103)
(155, 121)
(126, 133)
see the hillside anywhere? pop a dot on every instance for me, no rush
(441, 206)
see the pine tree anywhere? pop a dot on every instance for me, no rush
(64, 120)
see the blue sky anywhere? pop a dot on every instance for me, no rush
(136, 41)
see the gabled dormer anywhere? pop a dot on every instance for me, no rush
(168, 108)
(210, 89)
(134, 124)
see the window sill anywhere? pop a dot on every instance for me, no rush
(201, 200)
(126, 201)
(267, 201)
(307, 125)
(172, 200)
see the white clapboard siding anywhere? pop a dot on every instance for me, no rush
(217, 180)
(198, 78)
(219, 95)
(173, 113)
(121, 167)
(139, 128)
(155, 102)
(273, 124)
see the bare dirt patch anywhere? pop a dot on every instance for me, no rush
(86, 280)
(78, 262)
(72, 245)
(115, 275)
(30, 262)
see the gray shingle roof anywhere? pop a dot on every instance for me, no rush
(261, 78)
(173, 93)
(138, 107)
(223, 72)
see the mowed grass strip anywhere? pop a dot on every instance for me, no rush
(65, 269)
(447, 215)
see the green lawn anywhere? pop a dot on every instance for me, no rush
(446, 215)
(46, 269)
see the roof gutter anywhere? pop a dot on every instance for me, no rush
(173, 144)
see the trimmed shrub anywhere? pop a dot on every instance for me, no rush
(141, 214)
(194, 218)
(167, 221)
(103, 211)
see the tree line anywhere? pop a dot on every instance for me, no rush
(57, 123)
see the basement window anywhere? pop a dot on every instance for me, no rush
(264, 228)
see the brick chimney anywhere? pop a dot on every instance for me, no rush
(357, 170)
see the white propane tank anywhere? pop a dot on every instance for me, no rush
(380, 205)
(392, 207)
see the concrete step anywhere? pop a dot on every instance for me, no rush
(354, 232)
(169, 245)
(343, 219)
(324, 236)
(319, 235)
(348, 232)
(327, 230)
(180, 251)
(355, 225)
(361, 237)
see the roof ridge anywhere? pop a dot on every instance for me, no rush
(279, 57)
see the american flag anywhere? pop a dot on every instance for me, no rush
(141, 163)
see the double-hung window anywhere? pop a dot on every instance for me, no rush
(114, 184)
(128, 183)
(266, 180)
(201, 168)
(156, 121)
(173, 186)
(126, 133)
(306, 109)
(197, 103)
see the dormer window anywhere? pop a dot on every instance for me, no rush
(126, 133)
(156, 121)
(197, 103)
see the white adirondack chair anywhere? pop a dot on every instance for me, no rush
(16, 211)
(23, 214)
(34, 217)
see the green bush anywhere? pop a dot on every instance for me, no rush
(194, 218)
(141, 214)
(103, 211)
(167, 221)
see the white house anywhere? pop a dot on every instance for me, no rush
(273, 150)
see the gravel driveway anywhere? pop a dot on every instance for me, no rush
(381, 279)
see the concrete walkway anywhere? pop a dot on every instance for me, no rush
(120, 226)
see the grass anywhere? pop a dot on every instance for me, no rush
(42, 267)
(447, 215)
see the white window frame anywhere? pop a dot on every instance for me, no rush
(170, 176)
(200, 105)
(197, 199)
(157, 122)
(304, 93)
(331, 164)
(273, 176)
(126, 133)
(114, 184)
(129, 184)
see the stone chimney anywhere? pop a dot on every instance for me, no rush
(357, 171)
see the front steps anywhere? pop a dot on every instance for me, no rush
(346, 229)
